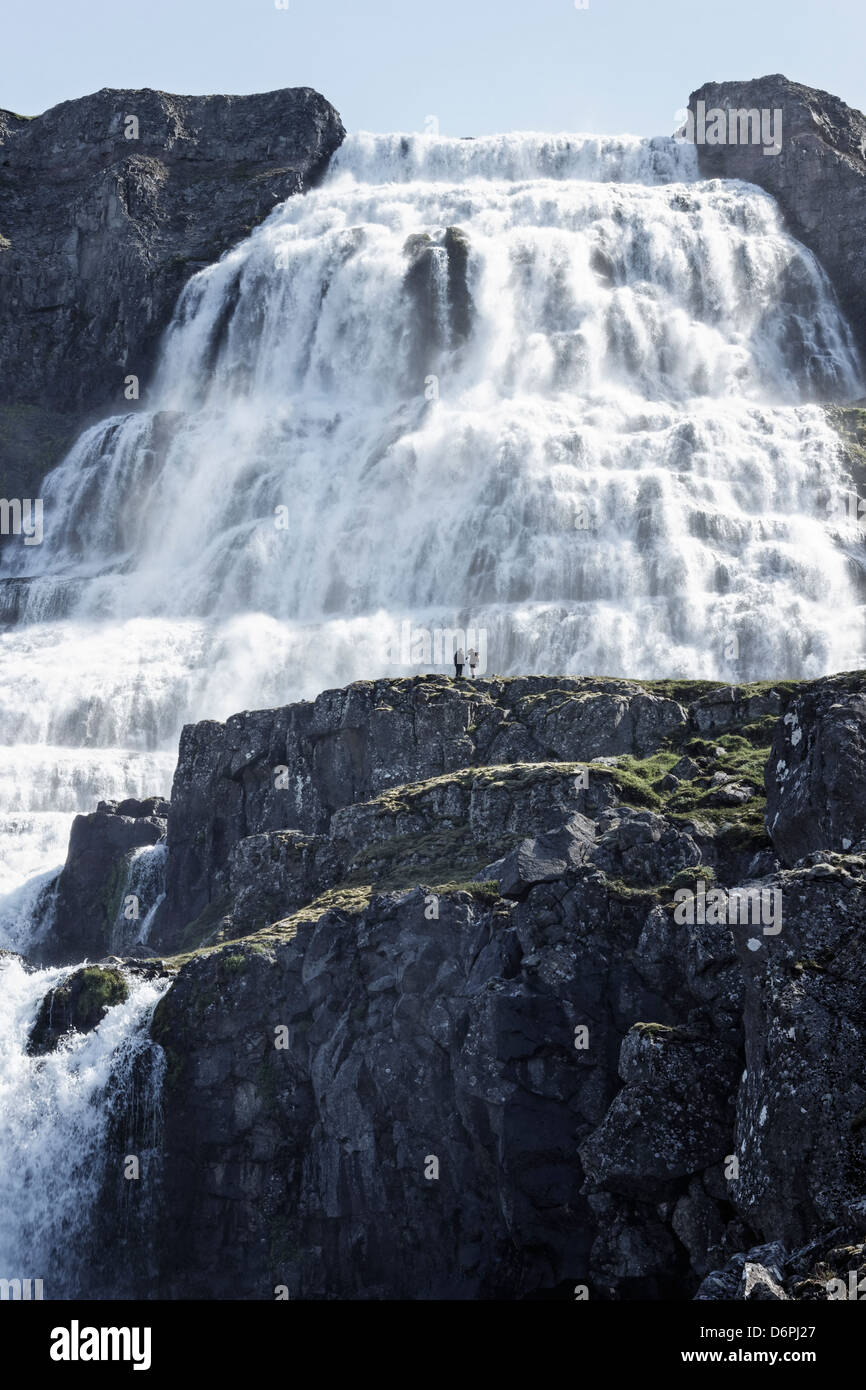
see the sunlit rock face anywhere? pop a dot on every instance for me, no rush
(816, 169)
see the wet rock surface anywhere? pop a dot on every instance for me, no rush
(78, 1005)
(83, 904)
(818, 176)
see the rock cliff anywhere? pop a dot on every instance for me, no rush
(107, 205)
(491, 990)
(818, 177)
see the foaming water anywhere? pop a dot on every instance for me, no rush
(409, 158)
(146, 884)
(57, 1140)
(556, 387)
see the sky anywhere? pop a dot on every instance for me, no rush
(477, 66)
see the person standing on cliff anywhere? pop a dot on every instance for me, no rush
(459, 659)
(473, 660)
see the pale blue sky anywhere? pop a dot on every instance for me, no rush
(480, 66)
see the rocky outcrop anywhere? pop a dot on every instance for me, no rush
(818, 177)
(802, 1101)
(85, 906)
(109, 204)
(447, 1024)
(78, 1005)
(832, 1267)
(816, 773)
(294, 768)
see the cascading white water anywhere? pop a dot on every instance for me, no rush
(585, 422)
(146, 884)
(617, 466)
(42, 788)
(55, 1117)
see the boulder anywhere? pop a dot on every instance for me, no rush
(78, 1005)
(642, 847)
(546, 857)
(674, 1115)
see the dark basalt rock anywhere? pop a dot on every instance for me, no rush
(802, 1102)
(452, 1035)
(543, 859)
(99, 233)
(653, 1132)
(833, 1267)
(272, 875)
(78, 1005)
(818, 177)
(642, 848)
(815, 777)
(90, 888)
(410, 1037)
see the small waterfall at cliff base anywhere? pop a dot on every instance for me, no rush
(66, 1121)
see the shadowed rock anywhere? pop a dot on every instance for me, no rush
(100, 232)
(815, 776)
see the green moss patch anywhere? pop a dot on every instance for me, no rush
(78, 1005)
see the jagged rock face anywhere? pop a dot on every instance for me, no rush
(543, 859)
(731, 707)
(653, 1131)
(816, 773)
(410, 1037)
(818, 177)
(387, 1005)
(271, 875)
(831, 1267)
(98, 233)
(482, 1028)
(492, 802)
(642, 848)
(801, 1111)
(713, 1146)
(293, 768)
(89, 890)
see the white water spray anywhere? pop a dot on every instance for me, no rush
(556, 388)
(55, 1128)
(620, 467)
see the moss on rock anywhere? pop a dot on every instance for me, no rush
(78, 1005)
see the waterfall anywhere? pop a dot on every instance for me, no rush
(558, 388)
(65, 1122)
(555, 388)
(146, 883)
(43, 786)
